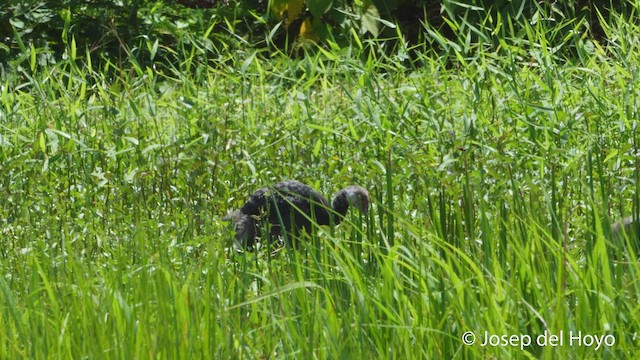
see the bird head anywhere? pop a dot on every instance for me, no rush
(358, 197)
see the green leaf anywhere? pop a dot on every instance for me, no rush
(69, 147)
(16, 35)
(247, 62)
(16, 23)
(319, 7)
(611, 155)
(40, 144)
(32, 59)
(73, 48)
(370, 16)
(317, 147)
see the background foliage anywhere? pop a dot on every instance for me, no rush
(121, 29)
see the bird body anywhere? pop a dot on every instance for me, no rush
(292, 206)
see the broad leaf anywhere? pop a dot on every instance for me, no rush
(319, 7)
(370, 17)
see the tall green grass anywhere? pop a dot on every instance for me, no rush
(494, 173)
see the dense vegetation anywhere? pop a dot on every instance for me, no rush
(496, 152)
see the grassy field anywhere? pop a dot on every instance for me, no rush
(495, 171)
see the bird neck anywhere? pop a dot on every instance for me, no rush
(340, 205)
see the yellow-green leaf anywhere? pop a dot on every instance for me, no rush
(287, 10)
(370, 18)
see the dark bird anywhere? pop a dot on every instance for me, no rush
(292, 206)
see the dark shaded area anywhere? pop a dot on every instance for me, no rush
(96, 25)
(411, 15)
(117, 31)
